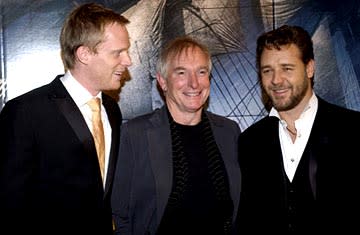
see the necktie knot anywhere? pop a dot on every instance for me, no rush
(94, 104)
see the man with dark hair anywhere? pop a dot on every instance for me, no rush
(298, 164)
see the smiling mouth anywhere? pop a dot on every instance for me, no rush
(279, 91)
(192, 94)
(118, 73)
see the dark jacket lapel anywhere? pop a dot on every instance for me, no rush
(72, 114)
(160, 157)
(115, 120)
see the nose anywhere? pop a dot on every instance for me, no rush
(277, 77)
(126, 60)
(193, 80)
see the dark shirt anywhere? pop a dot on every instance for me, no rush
(193, 206)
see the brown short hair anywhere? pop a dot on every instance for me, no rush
(85, 26)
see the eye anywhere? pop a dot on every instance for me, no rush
(203, 72)
(264, 71)
(180, 72)
(118, 53)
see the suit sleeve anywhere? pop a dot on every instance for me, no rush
(18, 159)
(120, 198)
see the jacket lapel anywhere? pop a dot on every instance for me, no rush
(73, 115)
(161, 158)
(115, 123)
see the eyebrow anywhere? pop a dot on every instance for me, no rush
(265, 67)
(179, 68)
(282, 65)
(286, 64)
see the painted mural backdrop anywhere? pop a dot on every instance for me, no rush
(30, 56)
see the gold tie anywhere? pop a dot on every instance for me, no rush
(98, 132)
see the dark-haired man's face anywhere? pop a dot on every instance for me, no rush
(285, 78)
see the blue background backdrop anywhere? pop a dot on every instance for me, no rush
(30, 54)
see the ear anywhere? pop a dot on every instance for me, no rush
(162, 82)
(83, 54)
(310, 69)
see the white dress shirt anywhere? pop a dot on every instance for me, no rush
(81, 96)
(293, 151)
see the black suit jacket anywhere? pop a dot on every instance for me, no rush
(143, 178)
(333, 174)
(50, 180)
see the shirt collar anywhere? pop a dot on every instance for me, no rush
(78, 93)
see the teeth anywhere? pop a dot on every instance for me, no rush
(192, 94)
